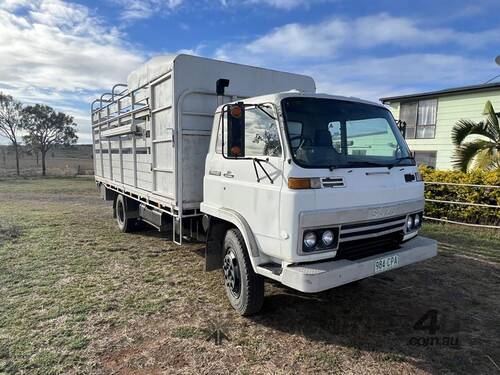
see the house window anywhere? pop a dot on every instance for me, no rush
(427, 158)
(420, 118)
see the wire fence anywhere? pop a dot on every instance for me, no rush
(461, 203)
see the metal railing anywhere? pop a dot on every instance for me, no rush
(460, 203)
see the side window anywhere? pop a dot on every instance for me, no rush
(218, 145)
(261, 133)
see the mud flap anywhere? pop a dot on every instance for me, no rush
(214, 248)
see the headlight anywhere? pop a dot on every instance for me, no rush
(309, 240)
(418, 221)
(409, 223)
(327, 238)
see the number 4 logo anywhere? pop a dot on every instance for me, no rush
(432, 324)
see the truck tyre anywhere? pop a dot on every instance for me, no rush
(244, 288)
(125, 223)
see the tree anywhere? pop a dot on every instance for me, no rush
(47, 128)
(11, 122)
(33, 148)
(482, 152)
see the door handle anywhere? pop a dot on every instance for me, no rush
(228, 174)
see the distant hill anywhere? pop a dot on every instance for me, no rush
(61, 161)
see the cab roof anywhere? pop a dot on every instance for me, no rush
(276, 98)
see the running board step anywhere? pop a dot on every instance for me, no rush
(275, 268)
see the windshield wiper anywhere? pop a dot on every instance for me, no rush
(365, 163)
(355, 163)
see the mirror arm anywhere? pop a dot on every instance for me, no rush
(259, 161)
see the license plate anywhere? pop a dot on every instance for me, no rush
(387, 263)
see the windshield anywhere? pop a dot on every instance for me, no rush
(335, 133)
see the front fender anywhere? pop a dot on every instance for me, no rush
(239, 222)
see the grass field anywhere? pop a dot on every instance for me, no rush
(60, 161)
(78, 296)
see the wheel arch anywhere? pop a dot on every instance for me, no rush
(218, 226)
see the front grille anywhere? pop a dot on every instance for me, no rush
(363, 248)
(371, 229)
(361, 240)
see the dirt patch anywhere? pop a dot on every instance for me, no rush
(363, 328)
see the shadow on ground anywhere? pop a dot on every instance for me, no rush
(379, 314)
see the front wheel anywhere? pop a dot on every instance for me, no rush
(244, 288)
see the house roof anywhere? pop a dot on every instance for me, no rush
(456, 90)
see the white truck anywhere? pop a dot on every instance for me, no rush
(311, 190)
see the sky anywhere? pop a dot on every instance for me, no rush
(66, 53)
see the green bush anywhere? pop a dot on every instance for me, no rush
(462, 213)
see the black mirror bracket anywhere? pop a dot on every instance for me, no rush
(257, 161)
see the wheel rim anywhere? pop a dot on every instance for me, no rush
(232, 277)
(120, 212)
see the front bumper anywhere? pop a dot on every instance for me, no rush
(316, 277)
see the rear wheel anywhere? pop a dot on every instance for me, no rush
(125, 222)
(244, 288)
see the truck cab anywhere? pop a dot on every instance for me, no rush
(311, 190)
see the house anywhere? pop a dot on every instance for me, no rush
(430, 117)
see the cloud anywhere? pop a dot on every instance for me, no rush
(328, 38)
(142, 9)
(133, 10)
(60, 53)
(13, 4)
(61, 46)
(64, 55)
(376, 77)
(279, 4)
(282, 4)
(371, 56)
(301, 40)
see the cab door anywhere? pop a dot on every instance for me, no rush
(214, 183)
(253, 182)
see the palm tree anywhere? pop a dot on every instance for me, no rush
(483, 151)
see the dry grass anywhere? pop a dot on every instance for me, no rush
(60, 161)
(80, 297)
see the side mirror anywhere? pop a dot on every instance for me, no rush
(236, 131)
(402, 127)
